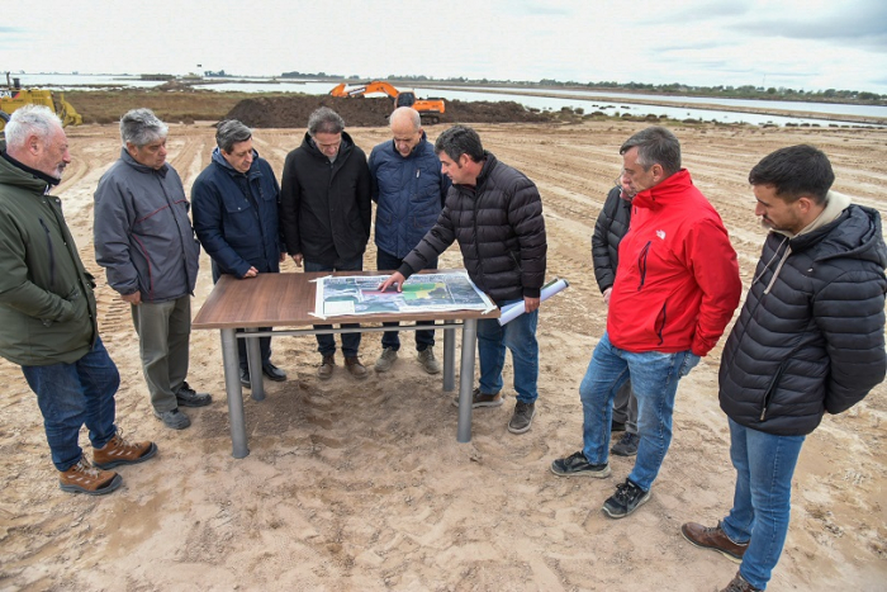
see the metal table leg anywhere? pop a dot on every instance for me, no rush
(254, 363)
(234, 392)
(466, 379)
(449, 367)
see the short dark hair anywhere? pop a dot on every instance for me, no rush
(230, 132)
(795, 171)
(325, 121)
(459, 140)
(656, 145)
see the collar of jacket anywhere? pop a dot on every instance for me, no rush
(669, 190)
(128, 159)
(47, 180)
(218, 159)
(344, 147)
(489, 164)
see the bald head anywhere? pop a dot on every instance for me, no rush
(406, 129)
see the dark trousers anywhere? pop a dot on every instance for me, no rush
(326, 344)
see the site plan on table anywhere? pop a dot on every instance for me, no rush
(431, 292)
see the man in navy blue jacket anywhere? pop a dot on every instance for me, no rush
(234, 203)
(409, 190)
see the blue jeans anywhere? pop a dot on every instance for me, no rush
(765, 464)
(70, 395)
(424, 339)
(520, 337)
(654, 381)
(326, 344)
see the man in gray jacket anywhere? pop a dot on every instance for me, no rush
(48, 310)
(145, 242)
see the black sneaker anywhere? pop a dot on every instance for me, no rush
(479, 399)
(188, 397)
(576, 464)
(628, 498)
(627, 445)
(522, 418)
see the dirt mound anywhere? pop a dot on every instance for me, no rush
(293, 111)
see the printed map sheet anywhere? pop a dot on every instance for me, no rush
(432, 292)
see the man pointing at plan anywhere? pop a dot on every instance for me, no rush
(495, 213)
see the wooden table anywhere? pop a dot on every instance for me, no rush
(285, 300)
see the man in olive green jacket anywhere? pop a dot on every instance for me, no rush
(48, 310)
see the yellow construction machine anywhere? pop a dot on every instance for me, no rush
(13, 96)
(430, 109)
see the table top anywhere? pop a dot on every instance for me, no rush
(287, 300)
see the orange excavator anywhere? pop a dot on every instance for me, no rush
(430, 109)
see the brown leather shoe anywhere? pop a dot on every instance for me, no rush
(356, 369)
(121, 452)
(714, 538)
(325, 370)
(82, 478)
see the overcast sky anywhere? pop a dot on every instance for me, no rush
(799, 44)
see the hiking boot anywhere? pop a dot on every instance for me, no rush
(628, 498)
(325, 370)
(355, 368)
(616, 426)
(83, 478)
(522, 418)
(188, 397)
(386, 360)
(272, 372)
(714, 537)
(577, 464)
(738, 584)
(429, 363)
(626, 446)
(121, 452)
(173, 418)
(479, 399)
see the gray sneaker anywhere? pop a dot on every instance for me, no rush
(626, 446)
(522, 418)
(173, 418)
(386, 360)
(479, 399)
(628, 498)
(429, 364)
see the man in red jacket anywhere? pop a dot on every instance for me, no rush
(677, 284)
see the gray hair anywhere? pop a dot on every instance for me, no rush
(230, 132)
(140, 127)
(656, 145)
(30, 120)
(406, 112)
(325, 121)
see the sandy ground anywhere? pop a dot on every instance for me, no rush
(362, 486)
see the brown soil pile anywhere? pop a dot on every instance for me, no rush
(293, 111)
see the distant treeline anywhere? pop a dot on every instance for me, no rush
(747, 91)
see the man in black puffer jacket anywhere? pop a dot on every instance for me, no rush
(325, 213)
(612, 224)
(809, 340)
(495, 213)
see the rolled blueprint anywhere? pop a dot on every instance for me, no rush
(511, 311)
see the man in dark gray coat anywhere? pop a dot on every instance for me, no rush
(612, 224)
(809, 340)
(145, 242)
(495, 213)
